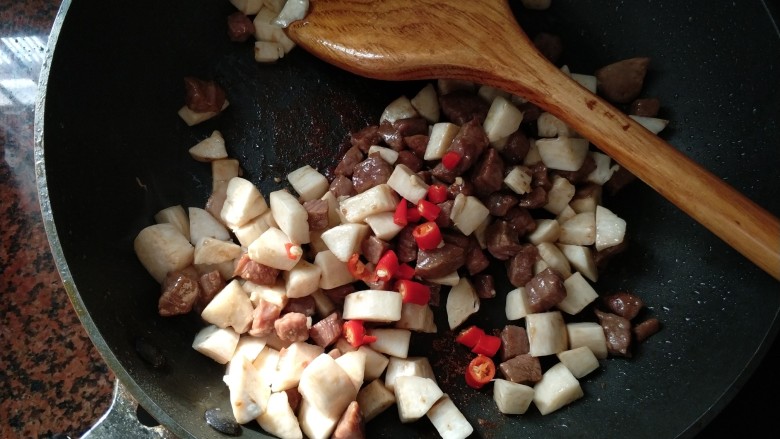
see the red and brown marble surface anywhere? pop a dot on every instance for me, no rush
(53, 382)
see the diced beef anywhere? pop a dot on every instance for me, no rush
(372, 171)
(618, 332)
(540, 176)
(516, 147)
(435, 293)
(488, 175)
(317, 211)
(203, 96)
(535, 199)
(255, 272)
(417, 144)
(240, 27)
(294, 398)
(393, 134)
(498, 203)
(623, 303)
(523, 369)
(647, 107)
(514, 342)
(263, 318)
(460, 186)
(520, 269)
(408, 158)
(545, 290)
(352, 157)
(443, 220)
(462, 106)
(406, 245)
(373, 248)
(325, 332)
(502, 240)
(620, 178)
(337, 295)
(550, 45)
(469, 143)
(621, 82)
(440, 261)
(341, 186)
(521, 220)
(351, 424)
(425, 175)
(476, 259)
(531, 113)
(305, 305)
(646, 328)
(292, 327)
(365, 138)
(210, 283)
(180, 291)
(581, 175)
(455, 237)
(484, 286)
(602, 257)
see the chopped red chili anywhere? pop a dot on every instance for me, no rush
(480, 371)
(470, 336)
(427, 235)
(387, 265)
(355, 333)
(487, 345)
(413, 292)
(437, 193)
(450, 160)
(404, 271)
(357, 268)
(428, 210)
(293, 251)
(399, 217)
(412, 215)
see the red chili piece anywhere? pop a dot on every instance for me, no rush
(355, 333)
(405, 271)
(427, 235)
(470, 336)
(450, 160)
(289, 248)
(437, 193)
(413, 292)
(413, 215)
(428, 210)
(399, 217)
(480, 371)
(357, 268)
(487, 345)
(387, 266)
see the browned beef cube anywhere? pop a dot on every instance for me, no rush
(318, 214)
(535, 199)
(621, 82)
(461, 106)
(476, 260)
(647, 107)
(352, 157)
(443, 220)
(484, 286)
(523, 369)
(341, 186)
(440, 261)
(373, 248)
(211, 283)
(372, 171)
(502, 240)
(499, 202)
(646, 328)
(516, 147)
(521, 220)
(514, 342)
(469, 143)
(255, 271)
(263, 318)
(624, 304)
(580, 175)
(410, 160)
(520, 269)
(180, 291)
(294, 398)
(417, 144)
(618, 332)
(488, 175)
(337, 295)
(292, 327)
(304, 305)
(406, 245)
(325, 332)
(366, 137)
(351, 424)
(545, 290)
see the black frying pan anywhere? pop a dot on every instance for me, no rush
(114, 152)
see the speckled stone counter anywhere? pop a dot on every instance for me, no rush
(52, 379)
(53, 382)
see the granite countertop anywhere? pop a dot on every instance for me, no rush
(54, 382)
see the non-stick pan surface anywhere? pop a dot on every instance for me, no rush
(112, 152)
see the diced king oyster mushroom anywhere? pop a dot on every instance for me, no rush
(161, 248)
(231, 307)
(557, 388)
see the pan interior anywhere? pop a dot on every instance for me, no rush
(115, 153)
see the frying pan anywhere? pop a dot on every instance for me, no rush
(111, 151)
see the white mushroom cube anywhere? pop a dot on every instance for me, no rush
(559, 195)
(354, 365)
(580, 361)
(468, 213)
(248, 394)
(546, 333)
(426, 102)
(373, 306)
(589, 334)
(610, 228)
(516, 304)
(279, 418)
(519, 179)
(268, 51)
(209, 149)
(290, 215)
(334, 273)
(344, 240)
(581, 259)
(374, 399)
(563, 153)
(251, 230)
(604, 168)
(448, 420)
(383, 226)
(579, 294)
(376, 363)
(407, 184)
(274, 249)
(391, 341)
(547, 230)
(417, 318)
(512, 398)
(230, 307)
(411, 366)
(555, 259)
(292, 361)
(547, 125)
(400, 108)
(217, 343)
(325, 385)
(215, 251)
(175, 215)
(503, 119)
(243, 202)
(579, 229)
(415, 396)
(388, 154)
(302, 280)
(204, 225)
(309, 183)
(161, 248)
(378, 199)
(653, 124)
(440, 139)
(557, 388)
(462, 302)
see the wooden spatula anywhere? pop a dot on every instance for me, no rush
(480, 41)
